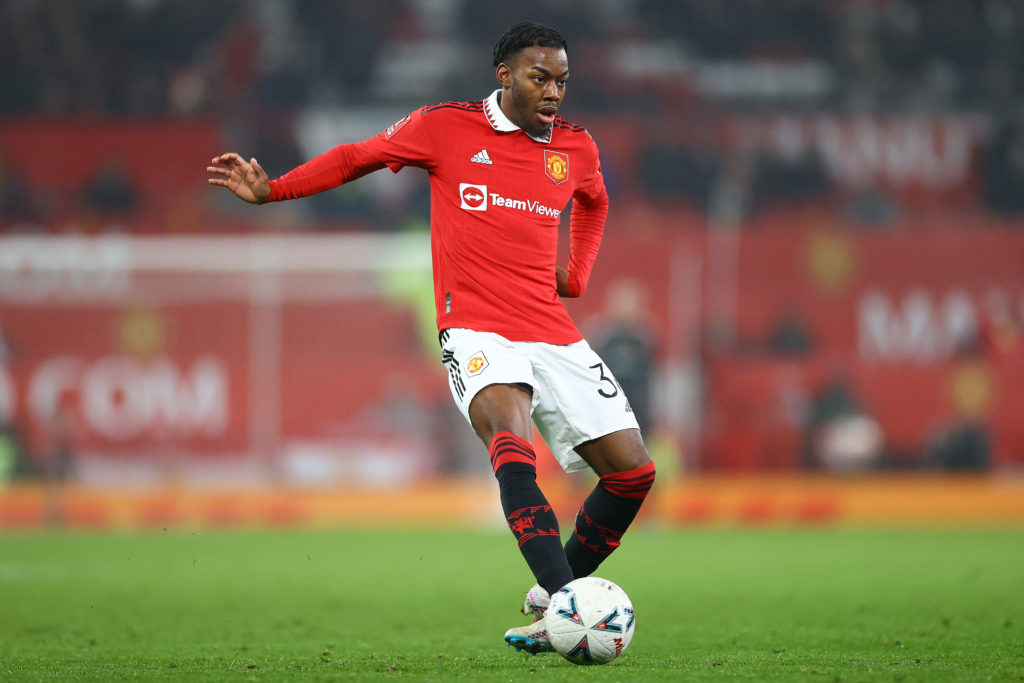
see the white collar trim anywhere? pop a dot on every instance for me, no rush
(501, 123)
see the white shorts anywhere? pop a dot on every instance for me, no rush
(575, 396)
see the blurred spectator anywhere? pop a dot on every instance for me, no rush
(870, 207)
(624, 337)
(112, 56)
(841, 436)
(6, 352)
(13, 463)
(111, 190)
(1004, 165)
(780, 180)
(343, 67)
(17, 200)
(791, 336)
(962, 445)
(671, 170)
(58, 451)
(1000, 334)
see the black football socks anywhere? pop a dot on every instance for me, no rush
(529, 516)
(604, 517)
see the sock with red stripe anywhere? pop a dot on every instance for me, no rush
(529, 516)
(604, 517)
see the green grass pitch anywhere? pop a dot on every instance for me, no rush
(712, 604)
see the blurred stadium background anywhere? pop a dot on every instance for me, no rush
(811, 286)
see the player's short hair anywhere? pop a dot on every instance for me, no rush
(526, 34)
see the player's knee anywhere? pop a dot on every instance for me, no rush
(621, 451)
(512, 457)
(634, 483)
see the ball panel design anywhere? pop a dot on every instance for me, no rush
(590, 621)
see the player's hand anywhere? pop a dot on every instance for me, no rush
(562, 282)
(246, 179)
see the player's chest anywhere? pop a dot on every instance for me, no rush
(514, 173)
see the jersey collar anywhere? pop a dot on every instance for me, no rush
(501, 123)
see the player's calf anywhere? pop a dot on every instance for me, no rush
(604, 517)
(529, 516)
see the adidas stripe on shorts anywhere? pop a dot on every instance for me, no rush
(575, 396)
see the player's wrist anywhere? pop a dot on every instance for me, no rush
(575, 286)
(269, 196)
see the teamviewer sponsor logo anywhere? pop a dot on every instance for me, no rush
(477, 198)
(474, 197)
(527, 205)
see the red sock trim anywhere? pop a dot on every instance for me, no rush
(632, 483)
(507, 447)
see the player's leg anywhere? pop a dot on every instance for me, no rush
(500, 414)
(493, 385)
(587, 421)
(626, 475)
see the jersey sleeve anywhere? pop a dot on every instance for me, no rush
(407, 142)
(586, 227)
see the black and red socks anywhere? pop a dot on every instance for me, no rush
(604, 517)
(527, 511)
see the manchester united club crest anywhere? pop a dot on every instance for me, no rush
(476, 364)
(556, 166)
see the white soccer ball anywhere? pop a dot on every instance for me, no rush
(590, 621)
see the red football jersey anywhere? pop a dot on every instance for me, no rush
(497, 195)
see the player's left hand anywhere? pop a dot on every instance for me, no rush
(562, 282)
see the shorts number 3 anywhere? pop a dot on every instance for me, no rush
(605, 378)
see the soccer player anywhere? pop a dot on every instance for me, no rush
(502, 170)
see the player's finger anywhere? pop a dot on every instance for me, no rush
(230, 158)
(225, 172)
(256, 165)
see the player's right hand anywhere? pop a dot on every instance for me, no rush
(563, 283)
(246, 179)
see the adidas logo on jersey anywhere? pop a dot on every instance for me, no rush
(482, 157)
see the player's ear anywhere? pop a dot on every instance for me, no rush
(504, 75)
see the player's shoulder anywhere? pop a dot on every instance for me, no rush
(453, 107)
(573, 133)
(569, 125)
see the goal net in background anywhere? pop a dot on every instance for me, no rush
(240, 360)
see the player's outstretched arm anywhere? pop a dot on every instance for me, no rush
(246, 179)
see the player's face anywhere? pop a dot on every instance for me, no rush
(533, 84)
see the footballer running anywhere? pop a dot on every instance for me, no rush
(502, 170)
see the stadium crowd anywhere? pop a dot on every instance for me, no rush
(659, 75)
(153, 57)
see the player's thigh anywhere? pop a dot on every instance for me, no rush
(502, 408)
(491, 367)
(619, 451)
(580, 401)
